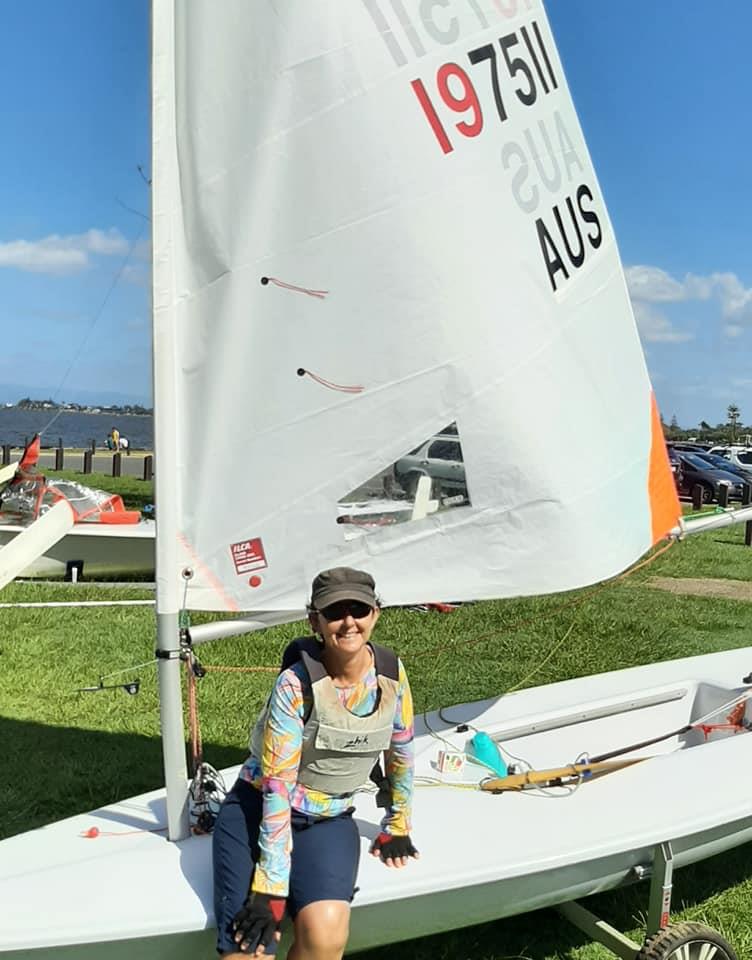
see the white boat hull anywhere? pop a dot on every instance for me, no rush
(103, 549)
(136, 894)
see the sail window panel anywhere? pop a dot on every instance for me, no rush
(430, 478)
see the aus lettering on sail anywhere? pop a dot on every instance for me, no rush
(541, 163)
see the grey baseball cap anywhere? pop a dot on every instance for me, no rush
(342, 583)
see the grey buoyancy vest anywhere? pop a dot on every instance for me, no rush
(339, 748)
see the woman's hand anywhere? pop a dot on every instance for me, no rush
(257, 923)
(394, 851)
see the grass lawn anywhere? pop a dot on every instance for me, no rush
(89, 749)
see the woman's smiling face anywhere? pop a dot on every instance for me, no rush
(345, 626)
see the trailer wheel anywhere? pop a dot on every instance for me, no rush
(686, 941)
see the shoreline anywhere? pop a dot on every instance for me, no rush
(94, 411)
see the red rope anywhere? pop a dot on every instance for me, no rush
(320, 294)
(197, 752)
(343, 388)
(222, 669)
(708, 728)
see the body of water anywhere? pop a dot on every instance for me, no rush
(74, 429)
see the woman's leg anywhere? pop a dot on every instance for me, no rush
(234, 853)
(321, 931)
(323, 870)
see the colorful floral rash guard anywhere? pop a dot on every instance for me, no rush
(275, 773)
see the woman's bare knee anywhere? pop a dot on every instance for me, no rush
(322, 929)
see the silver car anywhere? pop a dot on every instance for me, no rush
(439, 458)
(738, 455)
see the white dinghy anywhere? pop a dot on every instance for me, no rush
(95, 536)
(520, 851)
(378, 240)
(87, 550)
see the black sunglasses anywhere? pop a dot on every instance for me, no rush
(338, 611)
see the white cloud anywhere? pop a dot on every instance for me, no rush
(62, 255)
(649, 285)
(736, 299)
(698, 288)
(655, 327)
(653, 285)
(42, 257)
(104, 242)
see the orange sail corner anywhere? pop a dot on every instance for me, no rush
(665, 509)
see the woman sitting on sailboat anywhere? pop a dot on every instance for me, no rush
(285, 839)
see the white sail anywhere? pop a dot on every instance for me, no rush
(374, 221)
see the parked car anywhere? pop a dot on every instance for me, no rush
(691, 446)
(721, 463)
(697, 470)
(439, 458)
(738, 455)
(676, 468)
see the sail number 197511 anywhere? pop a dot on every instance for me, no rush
(521, 64)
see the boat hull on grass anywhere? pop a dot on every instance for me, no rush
(102, 549)
(131, 892)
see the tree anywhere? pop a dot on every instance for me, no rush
(734, 414)
(673, 429)
(704, 425)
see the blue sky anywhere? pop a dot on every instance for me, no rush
(662, 90)
(76, 128)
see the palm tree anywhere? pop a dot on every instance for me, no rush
(733, 413)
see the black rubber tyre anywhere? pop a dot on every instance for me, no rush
(707, 494)
(686, 941)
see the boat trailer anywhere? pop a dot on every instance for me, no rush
(663, 940)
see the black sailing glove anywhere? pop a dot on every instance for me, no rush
(257, 921)
(393, 848)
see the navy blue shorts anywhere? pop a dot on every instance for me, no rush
(323, 863)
